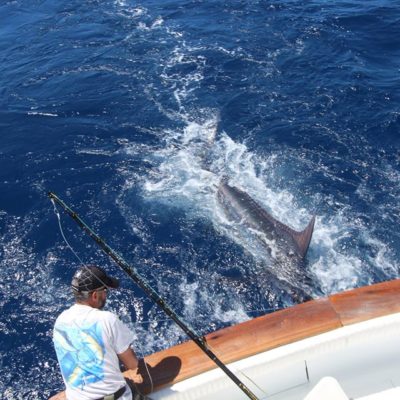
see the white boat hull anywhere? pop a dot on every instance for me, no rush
(364, 359)
(346, 345)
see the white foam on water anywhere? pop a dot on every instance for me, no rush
(334, 267)
(181, 172)
(346, 251)
(158, 22)
(189, 164)
(344, 256)
(182, 179)
(197, 296)
(381, 255)
(20, 268)
(125, 10)
(42, 114)
(27, 278)
(182, 73)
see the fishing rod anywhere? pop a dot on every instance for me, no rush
(141, 282)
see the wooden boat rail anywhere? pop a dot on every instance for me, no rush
(270, 331)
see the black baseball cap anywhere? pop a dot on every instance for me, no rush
(90, 277)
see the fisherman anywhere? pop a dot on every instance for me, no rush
(90, 343)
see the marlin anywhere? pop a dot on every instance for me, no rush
(286, 246)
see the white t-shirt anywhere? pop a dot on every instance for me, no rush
(87, 341)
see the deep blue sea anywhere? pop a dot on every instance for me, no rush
(114, 105)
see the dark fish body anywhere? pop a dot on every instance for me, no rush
(286, 246)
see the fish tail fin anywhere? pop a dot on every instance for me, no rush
(303, 238)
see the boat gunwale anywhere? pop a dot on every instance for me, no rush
(268, 332)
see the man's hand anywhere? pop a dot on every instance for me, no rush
(133, 375)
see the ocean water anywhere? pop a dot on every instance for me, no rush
(117, 106)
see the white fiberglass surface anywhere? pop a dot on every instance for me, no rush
(364, 358)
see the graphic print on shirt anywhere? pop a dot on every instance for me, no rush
(80, 352)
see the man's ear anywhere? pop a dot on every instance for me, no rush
(94, 295)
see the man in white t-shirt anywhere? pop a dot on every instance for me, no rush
(90, 343)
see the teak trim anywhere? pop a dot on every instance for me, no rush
(267, 332)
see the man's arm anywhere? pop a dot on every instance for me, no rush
(129, 359)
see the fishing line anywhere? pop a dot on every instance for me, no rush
(70, 247)
(147, 369)
(150, 321)
(200, 341)
(82, 263)
(144, 322)
(239, 371)
(62, 232)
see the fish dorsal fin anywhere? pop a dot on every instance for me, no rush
(302, 239)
